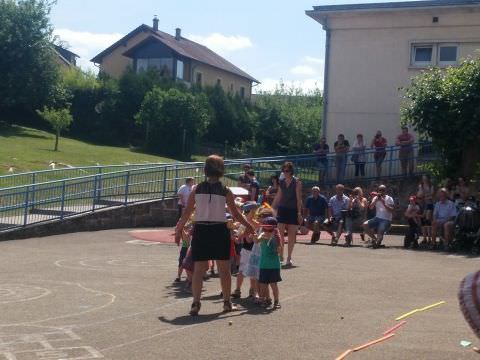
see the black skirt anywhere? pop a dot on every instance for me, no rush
(211, 242)
(287, 216)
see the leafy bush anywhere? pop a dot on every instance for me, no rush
(174, 121)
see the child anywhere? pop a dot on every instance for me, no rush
(246, 242)
(186, 237)
(269, 241)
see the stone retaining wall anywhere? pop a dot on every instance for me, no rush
(147, 214)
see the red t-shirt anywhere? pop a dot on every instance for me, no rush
(405, 137)
(380, 144)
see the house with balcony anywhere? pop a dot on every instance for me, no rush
(176, 57)
(373, 50)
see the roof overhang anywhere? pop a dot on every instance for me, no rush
(321, 13)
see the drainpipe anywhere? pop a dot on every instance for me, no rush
(325, 78)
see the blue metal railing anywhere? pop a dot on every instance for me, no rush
(56, 200)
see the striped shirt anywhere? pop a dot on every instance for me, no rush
(210, 201)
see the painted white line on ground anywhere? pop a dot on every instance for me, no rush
(167, 332)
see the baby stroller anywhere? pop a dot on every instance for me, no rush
(467, 227)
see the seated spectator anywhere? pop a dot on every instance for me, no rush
(272, 189)
(384, 206)
(243, 180)
(356, 214)
(337, 208)
(461, 191)
(425, 219)
(413, 215)
(316, 207)
(444, 214)
(254, 188)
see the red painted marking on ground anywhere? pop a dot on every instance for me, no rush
(164, 236)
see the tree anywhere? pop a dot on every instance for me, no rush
(444, 106)
(174, 121)
(27, 63)
(59, 120)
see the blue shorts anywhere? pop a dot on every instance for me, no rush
(381, 225)
(312, 219)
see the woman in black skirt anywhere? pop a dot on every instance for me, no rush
(288, 203)
(211, 237)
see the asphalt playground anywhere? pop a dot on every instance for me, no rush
(110, 295)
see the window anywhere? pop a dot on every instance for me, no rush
(422, 55)
(179, 69)
(242, 92)
(164, 65)
(231, 88)
(198, 78)
(447, 54)
(219, 82)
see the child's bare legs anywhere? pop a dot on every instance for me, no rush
(253, 287)
(262, 290)
(223, 267)
(281, 230)
(180, 271)
(197, 280)
(240, 278)
(274, 287)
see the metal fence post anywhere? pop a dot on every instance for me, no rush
(176, 177)
(164, 182)
(25, 213)
(390, 165)
(126, 187)
(94, 197)
(62, 206)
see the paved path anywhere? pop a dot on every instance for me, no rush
(109, 295)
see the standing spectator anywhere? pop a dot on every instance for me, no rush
(243, 180)
(356, 214)
(405, 140)
(426, 189)
(211, 238)
(183, 194)
(444, 214)
(272, 189)
(289, 204)
(322, 149)
(384, 206)
(379, 143)
(461, 191)
(254, 188)
(316, 206)
(341, 147)
(413, 215)
(358, 156)
(337, 208)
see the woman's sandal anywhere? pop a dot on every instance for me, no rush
(236, 294)
(195, 309)
(276, 305)
(228, 306)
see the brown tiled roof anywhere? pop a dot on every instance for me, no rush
(183, 47)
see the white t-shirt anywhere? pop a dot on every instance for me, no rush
(183, 194)
(382, 212)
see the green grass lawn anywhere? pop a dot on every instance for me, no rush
(25, 149)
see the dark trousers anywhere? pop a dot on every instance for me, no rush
(359, 169)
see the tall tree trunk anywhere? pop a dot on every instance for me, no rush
(57, 135)
(470, 160)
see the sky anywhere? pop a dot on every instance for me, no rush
(271, 40)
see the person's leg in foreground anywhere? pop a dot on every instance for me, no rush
(281, 230)
(292, 238)
(197, 284)
(226, 283)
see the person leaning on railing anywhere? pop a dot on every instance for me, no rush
(321, 150)
(405, 140)
(379, 143)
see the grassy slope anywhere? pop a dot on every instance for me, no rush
(27, 149)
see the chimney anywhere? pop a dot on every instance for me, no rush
(155, 23)
(178, 33)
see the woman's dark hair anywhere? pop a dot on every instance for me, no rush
(214, 166)
(274, 177)
(288, 166)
